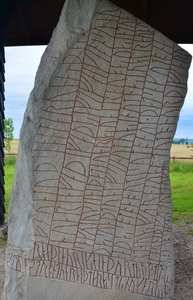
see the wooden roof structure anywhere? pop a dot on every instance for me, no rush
(31, 22)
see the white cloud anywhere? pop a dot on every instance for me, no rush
(21, 66)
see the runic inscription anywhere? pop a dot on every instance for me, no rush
(103, 208)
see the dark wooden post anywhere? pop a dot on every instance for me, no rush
(2, 99)
(6, 7)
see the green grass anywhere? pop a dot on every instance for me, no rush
(190, 232)
(3, 241)
(181, 179)
(10, 162)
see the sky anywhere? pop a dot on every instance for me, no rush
(20, 69)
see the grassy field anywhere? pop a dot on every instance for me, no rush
(10, 162)
(14, 148)
(181, 151)
(181, 179)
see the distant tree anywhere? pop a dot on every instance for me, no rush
(8, 133)
(182, 141)
(174, 142)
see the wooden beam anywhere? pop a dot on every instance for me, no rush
(24, 24)
(144, 10)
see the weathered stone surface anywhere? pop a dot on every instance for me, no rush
(90, 213)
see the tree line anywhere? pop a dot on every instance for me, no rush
(181, 142)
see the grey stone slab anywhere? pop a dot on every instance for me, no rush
(90, 213)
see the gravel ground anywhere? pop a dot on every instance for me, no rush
(183, 249)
